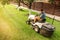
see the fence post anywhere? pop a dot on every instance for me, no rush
(54, 11)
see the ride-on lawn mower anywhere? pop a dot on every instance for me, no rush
(43, 28)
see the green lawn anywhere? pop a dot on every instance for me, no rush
(13, 26)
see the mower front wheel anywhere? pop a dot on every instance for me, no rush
(36, 28)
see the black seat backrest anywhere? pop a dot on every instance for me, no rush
(43, 20)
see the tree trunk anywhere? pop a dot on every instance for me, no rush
(30, 4)
(19, 2)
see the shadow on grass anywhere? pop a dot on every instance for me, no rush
(23, 10)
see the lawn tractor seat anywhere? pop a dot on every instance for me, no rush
(47, 30)
(44, 20)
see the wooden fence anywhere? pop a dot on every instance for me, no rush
(48, 8)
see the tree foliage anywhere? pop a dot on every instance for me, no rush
(29, 2)
(51, 1)
(3, 2)
(26, 2)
